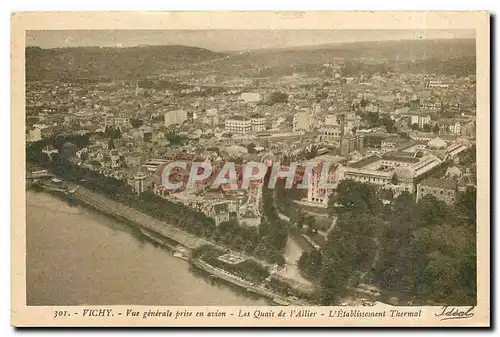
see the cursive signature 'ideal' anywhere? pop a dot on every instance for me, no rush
(448, 312)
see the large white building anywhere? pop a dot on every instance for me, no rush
(249, 97)
(238, 125)
(175, 117)
(396, 171)
(420, 120)
(258, 123)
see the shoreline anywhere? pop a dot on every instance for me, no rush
(160, 232)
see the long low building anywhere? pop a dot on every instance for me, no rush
(369, 176)
(394, 171)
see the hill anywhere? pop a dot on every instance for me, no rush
(435, 56)
(141, 61)
(109, 62)
(403, 50)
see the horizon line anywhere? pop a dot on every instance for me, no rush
(120, 46)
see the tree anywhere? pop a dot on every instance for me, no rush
(394, 179)
(310, 264)
(468, 157)
(373, 118)
(278, 97)
(301, 219)
(136, 123)
(251, 148)
(108, 131)
(387, 194)
(310, 222)
(430, 211)
(467, 205)
(354, 196)
(404, 203)
(425, 250)
(435, 128)
(426, 127)
(264, 227)
(388, 122)
(414, 126)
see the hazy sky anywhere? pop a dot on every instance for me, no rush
(227, 40)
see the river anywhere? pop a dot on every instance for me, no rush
(76, 256)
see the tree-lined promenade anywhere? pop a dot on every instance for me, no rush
(175, 220)
(129, 214)
(252, 241)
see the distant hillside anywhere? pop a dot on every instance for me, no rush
(407, 49)
(450, 57)
(133, 62)
(141, 61)
(442, 49)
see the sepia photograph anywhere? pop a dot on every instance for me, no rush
(283, 170)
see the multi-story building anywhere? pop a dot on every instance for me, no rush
(238, 125)
(456, 128)
(212, 116)
(219, 211)
(301, 121)
(331, 133)
(420, 120)
(348, 121)
(117, 121)
(316, 191)
(366, 171)
(175, 117)
(444, 190)
(258, 123)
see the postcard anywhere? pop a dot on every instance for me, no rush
(232, 169)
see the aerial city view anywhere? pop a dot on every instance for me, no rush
(251, 167)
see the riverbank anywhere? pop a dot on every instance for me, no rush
(249, 286)
(76, 255)
(162, 230)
